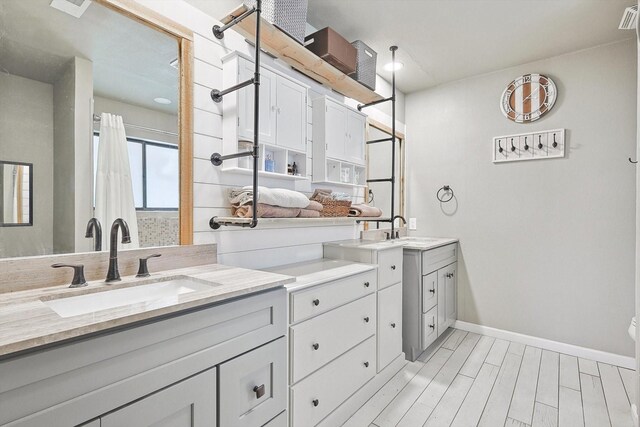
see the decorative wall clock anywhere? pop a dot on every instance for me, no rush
(528, 98)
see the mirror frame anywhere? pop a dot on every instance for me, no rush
(184, 38)
(21, 224)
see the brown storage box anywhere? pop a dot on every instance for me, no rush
(333, 48)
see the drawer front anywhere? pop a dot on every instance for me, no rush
(429, 291)
(252, 387)
(279, 421)
(317, 341)
(429, 327)
(437, 258)
(389, 325)
(318, 395)
(389, 267)
(322, 298)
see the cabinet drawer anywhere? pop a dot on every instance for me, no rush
(389, 324)
(429, 327)
(429, 291)
(317, 341)
(252, 387)
(389, 267)
(437, 258)
(318, 395)
(322, 298)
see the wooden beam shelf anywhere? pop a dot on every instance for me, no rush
(281, 45)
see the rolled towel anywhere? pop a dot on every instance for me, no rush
(265, 211)
(269, 196)
(364, 210)
(314, 206)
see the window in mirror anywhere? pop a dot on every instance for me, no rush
(154, 173)
(16, 194)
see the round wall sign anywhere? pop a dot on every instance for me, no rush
(528, 98)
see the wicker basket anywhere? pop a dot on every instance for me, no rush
(335, 208)
(365, 64)
(288, 15)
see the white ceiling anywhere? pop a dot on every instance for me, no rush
(445, 40)
(130, 60)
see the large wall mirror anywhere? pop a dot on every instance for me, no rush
(95, 121)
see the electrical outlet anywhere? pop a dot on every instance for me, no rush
(413, 223)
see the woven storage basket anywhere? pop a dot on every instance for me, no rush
(288, 15)
(365, 64)
(335, 208)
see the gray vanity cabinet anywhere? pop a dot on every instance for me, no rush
(203, 367)
(430, 291)
(189, 403)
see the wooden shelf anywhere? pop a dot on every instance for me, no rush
(276, 175)
(282, 46)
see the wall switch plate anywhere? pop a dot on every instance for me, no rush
(413, 223)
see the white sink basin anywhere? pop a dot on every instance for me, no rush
(156, 294)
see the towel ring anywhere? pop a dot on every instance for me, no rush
(445, 190)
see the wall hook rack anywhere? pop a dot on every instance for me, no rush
(216, 95)
(445, 194)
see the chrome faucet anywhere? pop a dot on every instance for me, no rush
(94, 229)
(113, 275)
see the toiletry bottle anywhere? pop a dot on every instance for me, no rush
(289, 169)
(269, 165)
(294, 169)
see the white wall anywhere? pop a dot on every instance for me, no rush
(26, 135)
(263, 246)
(547, 246)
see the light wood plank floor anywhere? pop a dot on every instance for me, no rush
(470, 380)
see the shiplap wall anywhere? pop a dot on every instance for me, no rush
(266, 245)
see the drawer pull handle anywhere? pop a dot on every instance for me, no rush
(433, 291)
(316, 346)
(366, 284)
(316, 302)
(393, 325)
(366, 320)
(432, 326)
(393, 267)
(315, 402)
(366, 364)
(259, 391)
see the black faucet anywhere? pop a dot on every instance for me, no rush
(93, 226)
(113, 275)
(404, 221)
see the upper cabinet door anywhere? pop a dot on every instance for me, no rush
(291, 110)
(335, 130)
(354, 148)
(267, 104)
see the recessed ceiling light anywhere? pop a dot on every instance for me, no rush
(163, 101)
(394, 66)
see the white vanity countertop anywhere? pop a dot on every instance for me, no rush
(26, 321)
(316, 272)
(416, 243)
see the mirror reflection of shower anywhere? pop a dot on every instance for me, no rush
(16, 194)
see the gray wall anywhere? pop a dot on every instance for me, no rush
(26, 135)
(547, 246)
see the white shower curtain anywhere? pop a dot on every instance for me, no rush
(114, 189)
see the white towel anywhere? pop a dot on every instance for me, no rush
(280, 197)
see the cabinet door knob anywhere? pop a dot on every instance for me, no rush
(316, 346)
(315, 402)
(366, 364)
(432, 326)
(259, 391)
(366, 284)
(366, 320)
(393, 325)
(433, 291)
(316, 302)
(393, 267)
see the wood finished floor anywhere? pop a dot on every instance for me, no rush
(473, 380)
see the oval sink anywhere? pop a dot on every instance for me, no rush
(160, 294)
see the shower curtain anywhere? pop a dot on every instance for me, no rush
(114, 189)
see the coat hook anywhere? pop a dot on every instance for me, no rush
(500, 149)
(631, 161)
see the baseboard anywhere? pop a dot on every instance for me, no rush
(570, 349)
(360, 397)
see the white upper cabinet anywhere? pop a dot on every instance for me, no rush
(291, 114)
(267, 104)
(339, 130)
